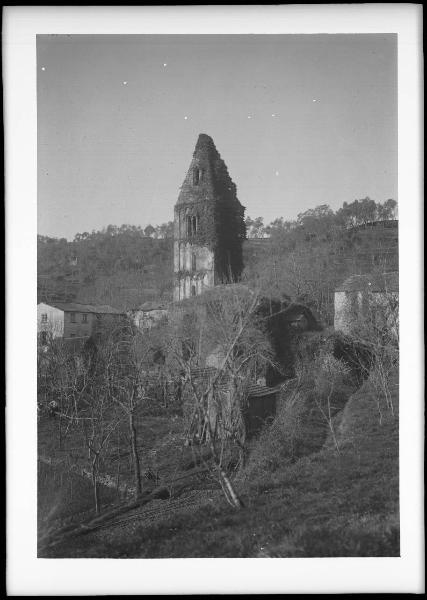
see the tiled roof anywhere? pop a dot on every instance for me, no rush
(253, 391)
(385, 282)
(203, 372)
(258, 391)
(150, 305)
(86, 308)
(387, 224)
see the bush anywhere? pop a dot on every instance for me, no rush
(278, 443)
(356, 354)
(305, 415)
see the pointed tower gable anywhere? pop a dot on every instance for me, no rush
(199, 183)
(209, 224)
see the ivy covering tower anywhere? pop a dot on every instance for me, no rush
(209, 225)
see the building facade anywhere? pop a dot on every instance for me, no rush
(72, 320)
(368, 301)
(148, 315)
(209, 225)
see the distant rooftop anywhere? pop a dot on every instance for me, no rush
(374, 282)
(85, 308)
(253, 391)
(386, 224)
(151, 305)
(259, 391)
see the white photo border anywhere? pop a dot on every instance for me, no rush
(28, 575)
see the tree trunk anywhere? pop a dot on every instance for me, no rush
(135, 457)
(228, 489)
(95, 483)
(118, 462)
(60, 432)
(225, 482)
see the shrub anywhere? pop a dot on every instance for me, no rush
(278, 443)
(305, 415)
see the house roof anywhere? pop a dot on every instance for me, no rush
(258, 391)
(387, 224)
(99, 309)
(374, 282)
(203, 372)
(253, 391)
(151, 305)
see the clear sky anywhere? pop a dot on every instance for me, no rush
(300, 120)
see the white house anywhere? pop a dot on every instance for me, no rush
(69, 320)
(148, 314)
(50, 322)
(371, 299)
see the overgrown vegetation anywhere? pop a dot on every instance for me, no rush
(213, 204)
(323, 219)
(324, 504)
(307, 258)
(159, 439)
(122, 266)
(303, 259)
(326, 464)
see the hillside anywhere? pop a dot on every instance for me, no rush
(322, 504)
(307, 263)
(124, 267)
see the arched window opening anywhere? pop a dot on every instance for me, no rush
(197, 175)
(192, 223)
(193, 290)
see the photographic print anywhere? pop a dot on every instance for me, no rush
(218, 293)
(214, 295)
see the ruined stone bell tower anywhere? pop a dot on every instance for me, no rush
(209, 225)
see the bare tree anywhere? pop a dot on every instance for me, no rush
(330, 375)
(75, 387)
(235, 348)
(377, 327)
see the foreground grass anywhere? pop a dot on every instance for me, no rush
(62, 493)
(326, 504)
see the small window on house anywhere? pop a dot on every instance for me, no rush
(72, 335)
(73, 317)
(193, 262)
(84, 318)
(193, 290)
(44, 318)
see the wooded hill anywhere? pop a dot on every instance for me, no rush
(119, 266)
(302, 259)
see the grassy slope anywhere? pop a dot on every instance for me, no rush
(62, 494)
(323, 505)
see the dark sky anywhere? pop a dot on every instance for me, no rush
(300, 120)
